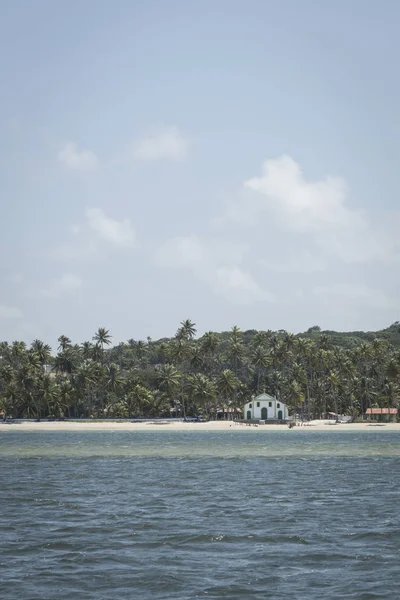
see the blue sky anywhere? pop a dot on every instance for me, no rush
(230, 162)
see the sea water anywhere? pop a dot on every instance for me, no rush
(291, 514)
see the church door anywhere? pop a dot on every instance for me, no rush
(264, 413)
(280, 415)
(249, 415)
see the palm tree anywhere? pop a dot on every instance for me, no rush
(187, 330)
(102, 337)
(180, 352)
(98, 353)
(9, 399)
(87, 350)
(225, 386)
(6, 375)
(139, 400)
(169, 381)
(202, 391)
(260, 358)
(391, 395)
(208, 347)
(112, 377)
(26, 379)
(63, 343)
(196, 357)
(305, 351)
(333, 382)
(8, 393)
(87, 381)
(393, 370)
(65, 394)
(42, 351)
(236, 334)
(18, 350)
(209, 342)
(141, 350)
(67, 360)
(49, 396)
(4, 351)
(295, 395)
(235, 354)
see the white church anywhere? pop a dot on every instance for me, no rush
(265, 407)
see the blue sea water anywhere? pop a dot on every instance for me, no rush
(232, 514)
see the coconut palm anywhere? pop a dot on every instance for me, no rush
(5, 351)
(68, 360)
(87, 350)
(236, 334)
(391, 395)
(42, 351)
(295, 395)
(187, 330)
(169, 379)
(102, 337)
(202, 392)
(65, 394)
(18, 350)
(139, 400)
(63, 343)
(261, 359)
(87, 379)
(196, 357)
(112, 378)
(225, 386)
(208, 348)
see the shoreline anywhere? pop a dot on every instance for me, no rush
(184, 426)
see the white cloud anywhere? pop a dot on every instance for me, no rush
(309, 206)
(65, 285)
(215, 263)
(316, 211)
(238, 285)
(77, 159)
(10, 312)
(117, 233)
(97, 233)
(168, 144)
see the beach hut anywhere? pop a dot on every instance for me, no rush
(228, 413)
(380, 414)
(266, 408)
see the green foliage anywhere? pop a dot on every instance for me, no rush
(314, 372)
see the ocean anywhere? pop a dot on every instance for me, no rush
(173, 514)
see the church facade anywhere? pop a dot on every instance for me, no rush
(265, 407)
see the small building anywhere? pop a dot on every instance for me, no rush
(228, 413)
(266, 408)
(332, 416)
(380, 413)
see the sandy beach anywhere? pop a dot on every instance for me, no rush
(181, 426)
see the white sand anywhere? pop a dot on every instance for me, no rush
(180, 426)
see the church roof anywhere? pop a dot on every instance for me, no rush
(264, 397)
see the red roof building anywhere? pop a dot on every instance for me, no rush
(381, 411)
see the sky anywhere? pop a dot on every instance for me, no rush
(234, 162)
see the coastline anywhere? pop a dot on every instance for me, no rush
(316, 425)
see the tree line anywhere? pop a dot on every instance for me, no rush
(313, 373)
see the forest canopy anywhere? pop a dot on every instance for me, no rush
(186, 375)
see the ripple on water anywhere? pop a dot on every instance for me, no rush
(221, 515)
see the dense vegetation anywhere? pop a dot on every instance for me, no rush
(314, 373)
